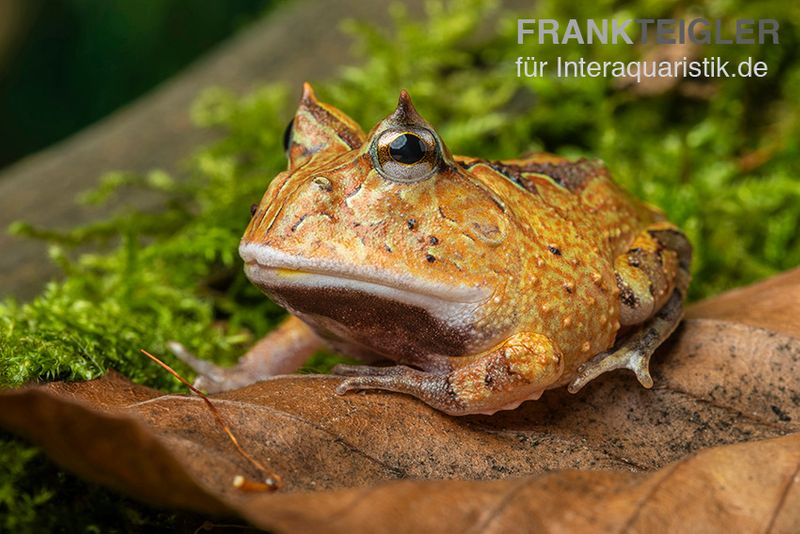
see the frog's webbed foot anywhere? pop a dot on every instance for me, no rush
(281, 351)
(518, 369)
(367, 370)
(635, 350)
(210, 377)
(429, 387)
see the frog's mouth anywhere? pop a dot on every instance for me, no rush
(272, 269)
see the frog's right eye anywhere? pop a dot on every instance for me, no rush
(287, 136)
(407, 148)
(407, 155)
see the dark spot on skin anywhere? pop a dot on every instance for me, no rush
(388, 248)
(354, 191)
(637, 257)
(554, 250)
(514, 175)
(497, 373)
(323, 184)
(451, 395)
(443, 216)
(430, 258)
(299, 221)
(626, 295)
(412, 223)
(434, 240)
(783, 416)
(253, 209)
(673, 239)
(568, 289)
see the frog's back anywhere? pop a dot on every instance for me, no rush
(580, 193)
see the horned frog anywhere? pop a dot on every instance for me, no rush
(484, 282)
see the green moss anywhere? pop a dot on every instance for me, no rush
(36, 497)
(174, 274)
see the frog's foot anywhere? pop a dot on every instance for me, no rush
(635, 351)
(366, 370)
(519, 369)
(281, 351)
(210, 378)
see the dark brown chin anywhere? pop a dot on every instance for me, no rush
(361, 324)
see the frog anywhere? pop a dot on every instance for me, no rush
(471, 284)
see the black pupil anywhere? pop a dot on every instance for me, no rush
(407, 148)
(287, 135)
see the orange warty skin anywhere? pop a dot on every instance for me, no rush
(486, 282)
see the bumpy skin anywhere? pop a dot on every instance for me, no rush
(485, 282)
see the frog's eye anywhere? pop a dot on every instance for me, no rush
(407, 148)
(287, 136)
(406, 156)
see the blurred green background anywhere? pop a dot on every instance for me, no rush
(66, 63)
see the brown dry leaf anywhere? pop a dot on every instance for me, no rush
(772, 304)
(723, 379)
(751, 487)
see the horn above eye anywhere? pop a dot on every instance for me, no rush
(406, 155)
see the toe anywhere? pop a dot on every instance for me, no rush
(199, 366)
(364, 370)
(643, 374)
(345, 386)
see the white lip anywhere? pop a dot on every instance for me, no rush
(263, 257)
(272, 267)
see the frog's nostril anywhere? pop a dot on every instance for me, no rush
(323, 184)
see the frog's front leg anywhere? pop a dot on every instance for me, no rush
(521, 368)
(652, 276)
(281, 351)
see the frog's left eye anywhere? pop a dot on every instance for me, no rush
(287, 136)
(406, 156)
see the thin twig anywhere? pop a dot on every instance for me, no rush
(272, 481)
